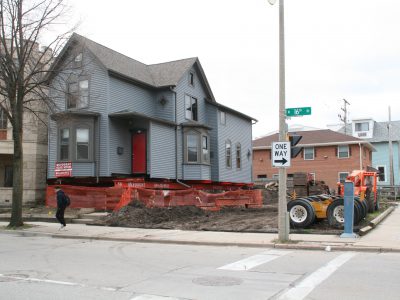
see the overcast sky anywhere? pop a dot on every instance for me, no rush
(334, 49)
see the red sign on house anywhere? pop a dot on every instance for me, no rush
(63, 169)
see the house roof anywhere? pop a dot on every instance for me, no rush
(312, 138)
(381, 133)
(156, 75)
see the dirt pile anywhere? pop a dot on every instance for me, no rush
(194, 218)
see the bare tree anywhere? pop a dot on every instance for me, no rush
(24, 68)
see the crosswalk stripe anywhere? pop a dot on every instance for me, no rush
(156, 297)
(301, 290)
(254, 261)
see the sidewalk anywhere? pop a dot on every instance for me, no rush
(384, 238)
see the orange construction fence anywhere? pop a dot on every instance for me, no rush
(114, 198)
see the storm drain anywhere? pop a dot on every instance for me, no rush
(217, 281)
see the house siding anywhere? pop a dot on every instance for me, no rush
(197, 91)
(162, 151)
(237, 130)
(197, 172)
(381, 158)
(165, 105)
(212, 121)
(98, 94)
(120, 137)
(128, 96)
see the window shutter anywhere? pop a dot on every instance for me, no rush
(349, 150)
(270, 154)
(302, 153)
(315, 152)
(336, 151)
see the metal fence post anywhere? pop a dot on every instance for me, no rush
(348, 210)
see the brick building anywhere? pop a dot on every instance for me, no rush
(327, 155)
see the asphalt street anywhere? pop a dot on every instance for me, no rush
(39, 267)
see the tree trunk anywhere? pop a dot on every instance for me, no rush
(18, 181)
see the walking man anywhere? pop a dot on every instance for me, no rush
(61, 206)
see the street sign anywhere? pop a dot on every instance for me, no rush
(298, 111)
(280, 154)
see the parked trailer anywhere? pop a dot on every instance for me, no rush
(305, 210)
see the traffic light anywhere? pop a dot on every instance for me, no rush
(294, 140)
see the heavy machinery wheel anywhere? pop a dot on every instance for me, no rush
(301, 213)
(358, 212)
(362, 207)
(335, 213)
(370, 200)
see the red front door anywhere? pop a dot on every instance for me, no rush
(139, 152)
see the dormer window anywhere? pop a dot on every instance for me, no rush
(364, 126)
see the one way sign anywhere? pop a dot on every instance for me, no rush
(281, 154)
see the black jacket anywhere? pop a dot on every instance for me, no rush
(61, 199)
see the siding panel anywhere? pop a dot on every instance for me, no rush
(162, 152)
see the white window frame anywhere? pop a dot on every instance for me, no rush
(193, 103)
(67, 144)
(305, 154)
(81, 94)
(238, 151)
(361, 125)
(339, 173)
(338, 151)
(228, 154)
(196, 136)
(82, 143)
(191, 79)
(384, 173)
(222, 118)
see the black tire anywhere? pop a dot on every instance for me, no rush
(301, 213)
(358, 212)
(370, 200)
(335, 213)
(365, 206)
(362, 208)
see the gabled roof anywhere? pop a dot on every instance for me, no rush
(381, 133)
(313, 138)
(156, 75)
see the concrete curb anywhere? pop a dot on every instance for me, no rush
(294, 246)
(373, 223)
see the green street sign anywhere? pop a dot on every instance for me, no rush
(298, 111)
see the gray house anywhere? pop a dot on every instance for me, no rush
(117, 117)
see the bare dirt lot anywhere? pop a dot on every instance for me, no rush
(227, 219)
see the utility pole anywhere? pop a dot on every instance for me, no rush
(391, 173)
(282, 211)
(344, 117)
(283, 216)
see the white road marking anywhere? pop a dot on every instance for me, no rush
(155, 297)
(254, 261)
(301, 290)
(52, 281)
